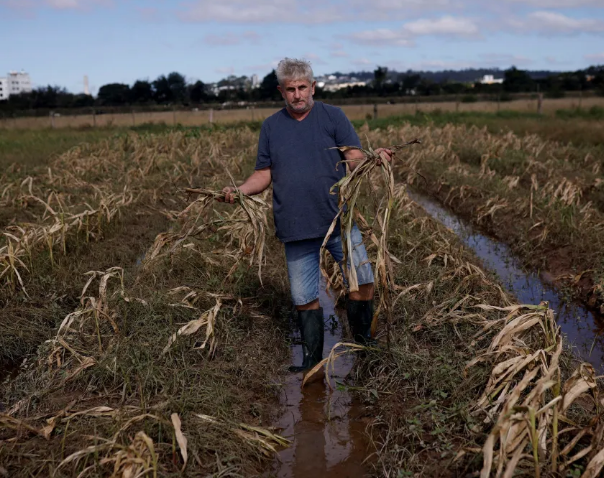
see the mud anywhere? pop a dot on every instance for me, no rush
(327, 428)
(583, 328)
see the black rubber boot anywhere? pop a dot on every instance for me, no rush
(311, 331)
(360, 315)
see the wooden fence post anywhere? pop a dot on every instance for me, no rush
(375, 111)
(211, 115)
(539, 102)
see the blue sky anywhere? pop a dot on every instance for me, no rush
(60, 41)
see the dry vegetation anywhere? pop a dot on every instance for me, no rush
(354, 112)
(167, 356)
(544, 198)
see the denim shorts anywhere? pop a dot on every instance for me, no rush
(303, 262)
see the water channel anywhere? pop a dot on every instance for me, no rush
(581, 327)
(327, 429)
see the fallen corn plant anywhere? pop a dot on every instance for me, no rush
(349, 192)
(531, 405)
(245, 228)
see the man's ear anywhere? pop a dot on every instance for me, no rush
(280, 90)
(314, 84)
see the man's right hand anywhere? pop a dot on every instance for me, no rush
(229, 195)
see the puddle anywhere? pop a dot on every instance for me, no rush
(582, 328)
(327, 429)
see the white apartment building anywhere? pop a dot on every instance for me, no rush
(490, 80)
(14, 83)
(3, 89)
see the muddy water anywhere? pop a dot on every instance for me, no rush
(327, 429)
(582, 328)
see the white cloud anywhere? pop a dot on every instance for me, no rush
(226, 70)
(362, 62)
(338, 54)
(259, 11)
(558, 3)
(314, 59)
(597, 57)
(505, 59)
(231, 38)
(552, 23)
(382, 36)
(75, 4)
(455, 27)
(450, 26)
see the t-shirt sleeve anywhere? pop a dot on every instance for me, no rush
(263, 160)
(345, 133)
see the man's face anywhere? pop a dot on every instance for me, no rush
(298, 95)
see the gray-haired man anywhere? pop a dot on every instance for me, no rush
(294, 154)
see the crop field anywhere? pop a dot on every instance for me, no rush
(145, 327)
(354, 112)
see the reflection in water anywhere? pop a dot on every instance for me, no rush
(581, 328)
(326, 428)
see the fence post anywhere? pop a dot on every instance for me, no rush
(416, 104)
(133, 119)
(539, 102)
(375, 111)
(211, 115)
(252, 112)
(457, 104)
(52, 120)
(174, 115)
(94, 118)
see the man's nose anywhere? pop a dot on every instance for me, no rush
(296, 93)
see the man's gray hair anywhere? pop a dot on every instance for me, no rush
(292, 69)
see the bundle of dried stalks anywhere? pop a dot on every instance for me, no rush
(349, 191)
(245, 228)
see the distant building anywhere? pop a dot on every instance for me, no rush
(14, 83)
(490, 80)
(335, 83)
(255, 81)
(4, 89)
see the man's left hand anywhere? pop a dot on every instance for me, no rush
(384, 154)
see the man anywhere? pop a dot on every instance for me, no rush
(294, 154)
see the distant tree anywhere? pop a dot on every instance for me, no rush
(82, 101)
(517, 81)
(178, 86)
(141, 92)
(198, 93)
(113, 94)
(268, 87)
(379, 77)
(409, 82)
(162, 93)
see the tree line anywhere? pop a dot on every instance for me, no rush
(173, 89)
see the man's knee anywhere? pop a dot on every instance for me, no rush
(314, 305)
(365, 292)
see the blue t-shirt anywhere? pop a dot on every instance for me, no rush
(303, 169)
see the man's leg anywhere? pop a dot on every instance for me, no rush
(359, 306)
(303, 271)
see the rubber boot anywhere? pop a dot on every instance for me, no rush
(360, 315)
(311, 331)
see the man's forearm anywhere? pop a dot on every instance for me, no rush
(257, 182)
